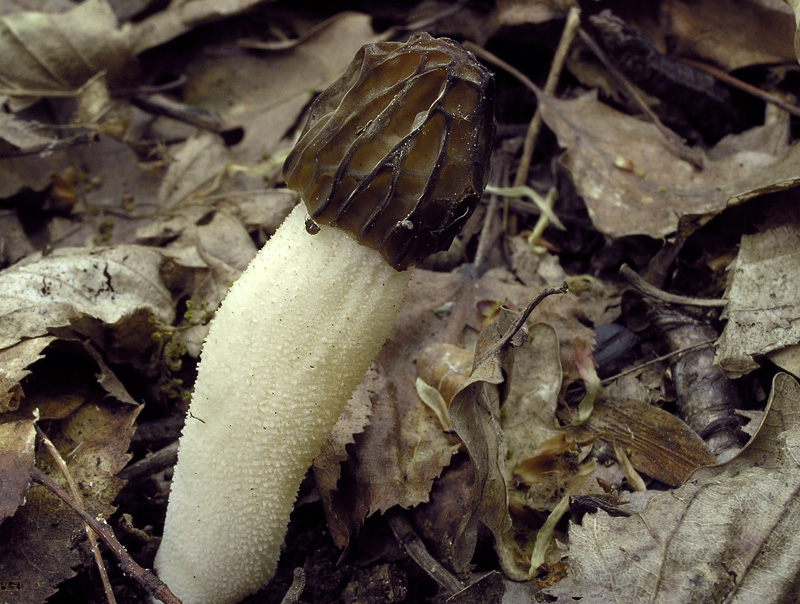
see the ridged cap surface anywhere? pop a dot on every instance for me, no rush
(397, 150)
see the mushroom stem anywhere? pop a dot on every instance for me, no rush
(294, 337)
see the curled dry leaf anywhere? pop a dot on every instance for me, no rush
(475, 415)
(728, 534)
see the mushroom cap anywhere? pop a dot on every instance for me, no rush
(396, 152)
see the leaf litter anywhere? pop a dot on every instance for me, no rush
(125, 231)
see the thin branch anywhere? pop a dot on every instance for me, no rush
(146, 577)
(519, 321)
(83, 138)
(160, 460)
(674, 353)
(567, 36)
(62, 467)
(748, 88)
(487, 57)
(651, 290)
(410, 541)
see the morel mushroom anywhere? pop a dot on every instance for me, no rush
(391, 164)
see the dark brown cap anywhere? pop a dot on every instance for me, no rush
(397, 150)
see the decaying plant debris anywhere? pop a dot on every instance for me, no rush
(631, 424)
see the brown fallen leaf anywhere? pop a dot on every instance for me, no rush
(475, 415)
(731, 36)
(47, 53)
(529, 413)
(660, 189)
(197, 164)
(14, 366)
(656, 442)
(728, 534)
(267, 92)
(45, 292)
(17, 440)
(762, 293)
(344, 514)
(179, 18)
(403, 449)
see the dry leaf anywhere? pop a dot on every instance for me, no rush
(38, 544)
(181, 17)
(796, 8)
(14, 366)
(475, 415)
(266, 93)
(403, 448)
(109, 284)
(661, 189)
(656, 442)
(197, 164)
(731, 34)
(529, 414)
(343, 516)
(762, 293)
(20, 133)
(728, 534)
(17, 440)
(43, 53)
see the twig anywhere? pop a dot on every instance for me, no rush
(98, 558)
(484, 240)
(651, 290)
(410, 541)
(672, 141)
(608, 380)
(161, 459)
(519, 321)
(567, 36)
(748, 88)
(146, 577)
(205, 119)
